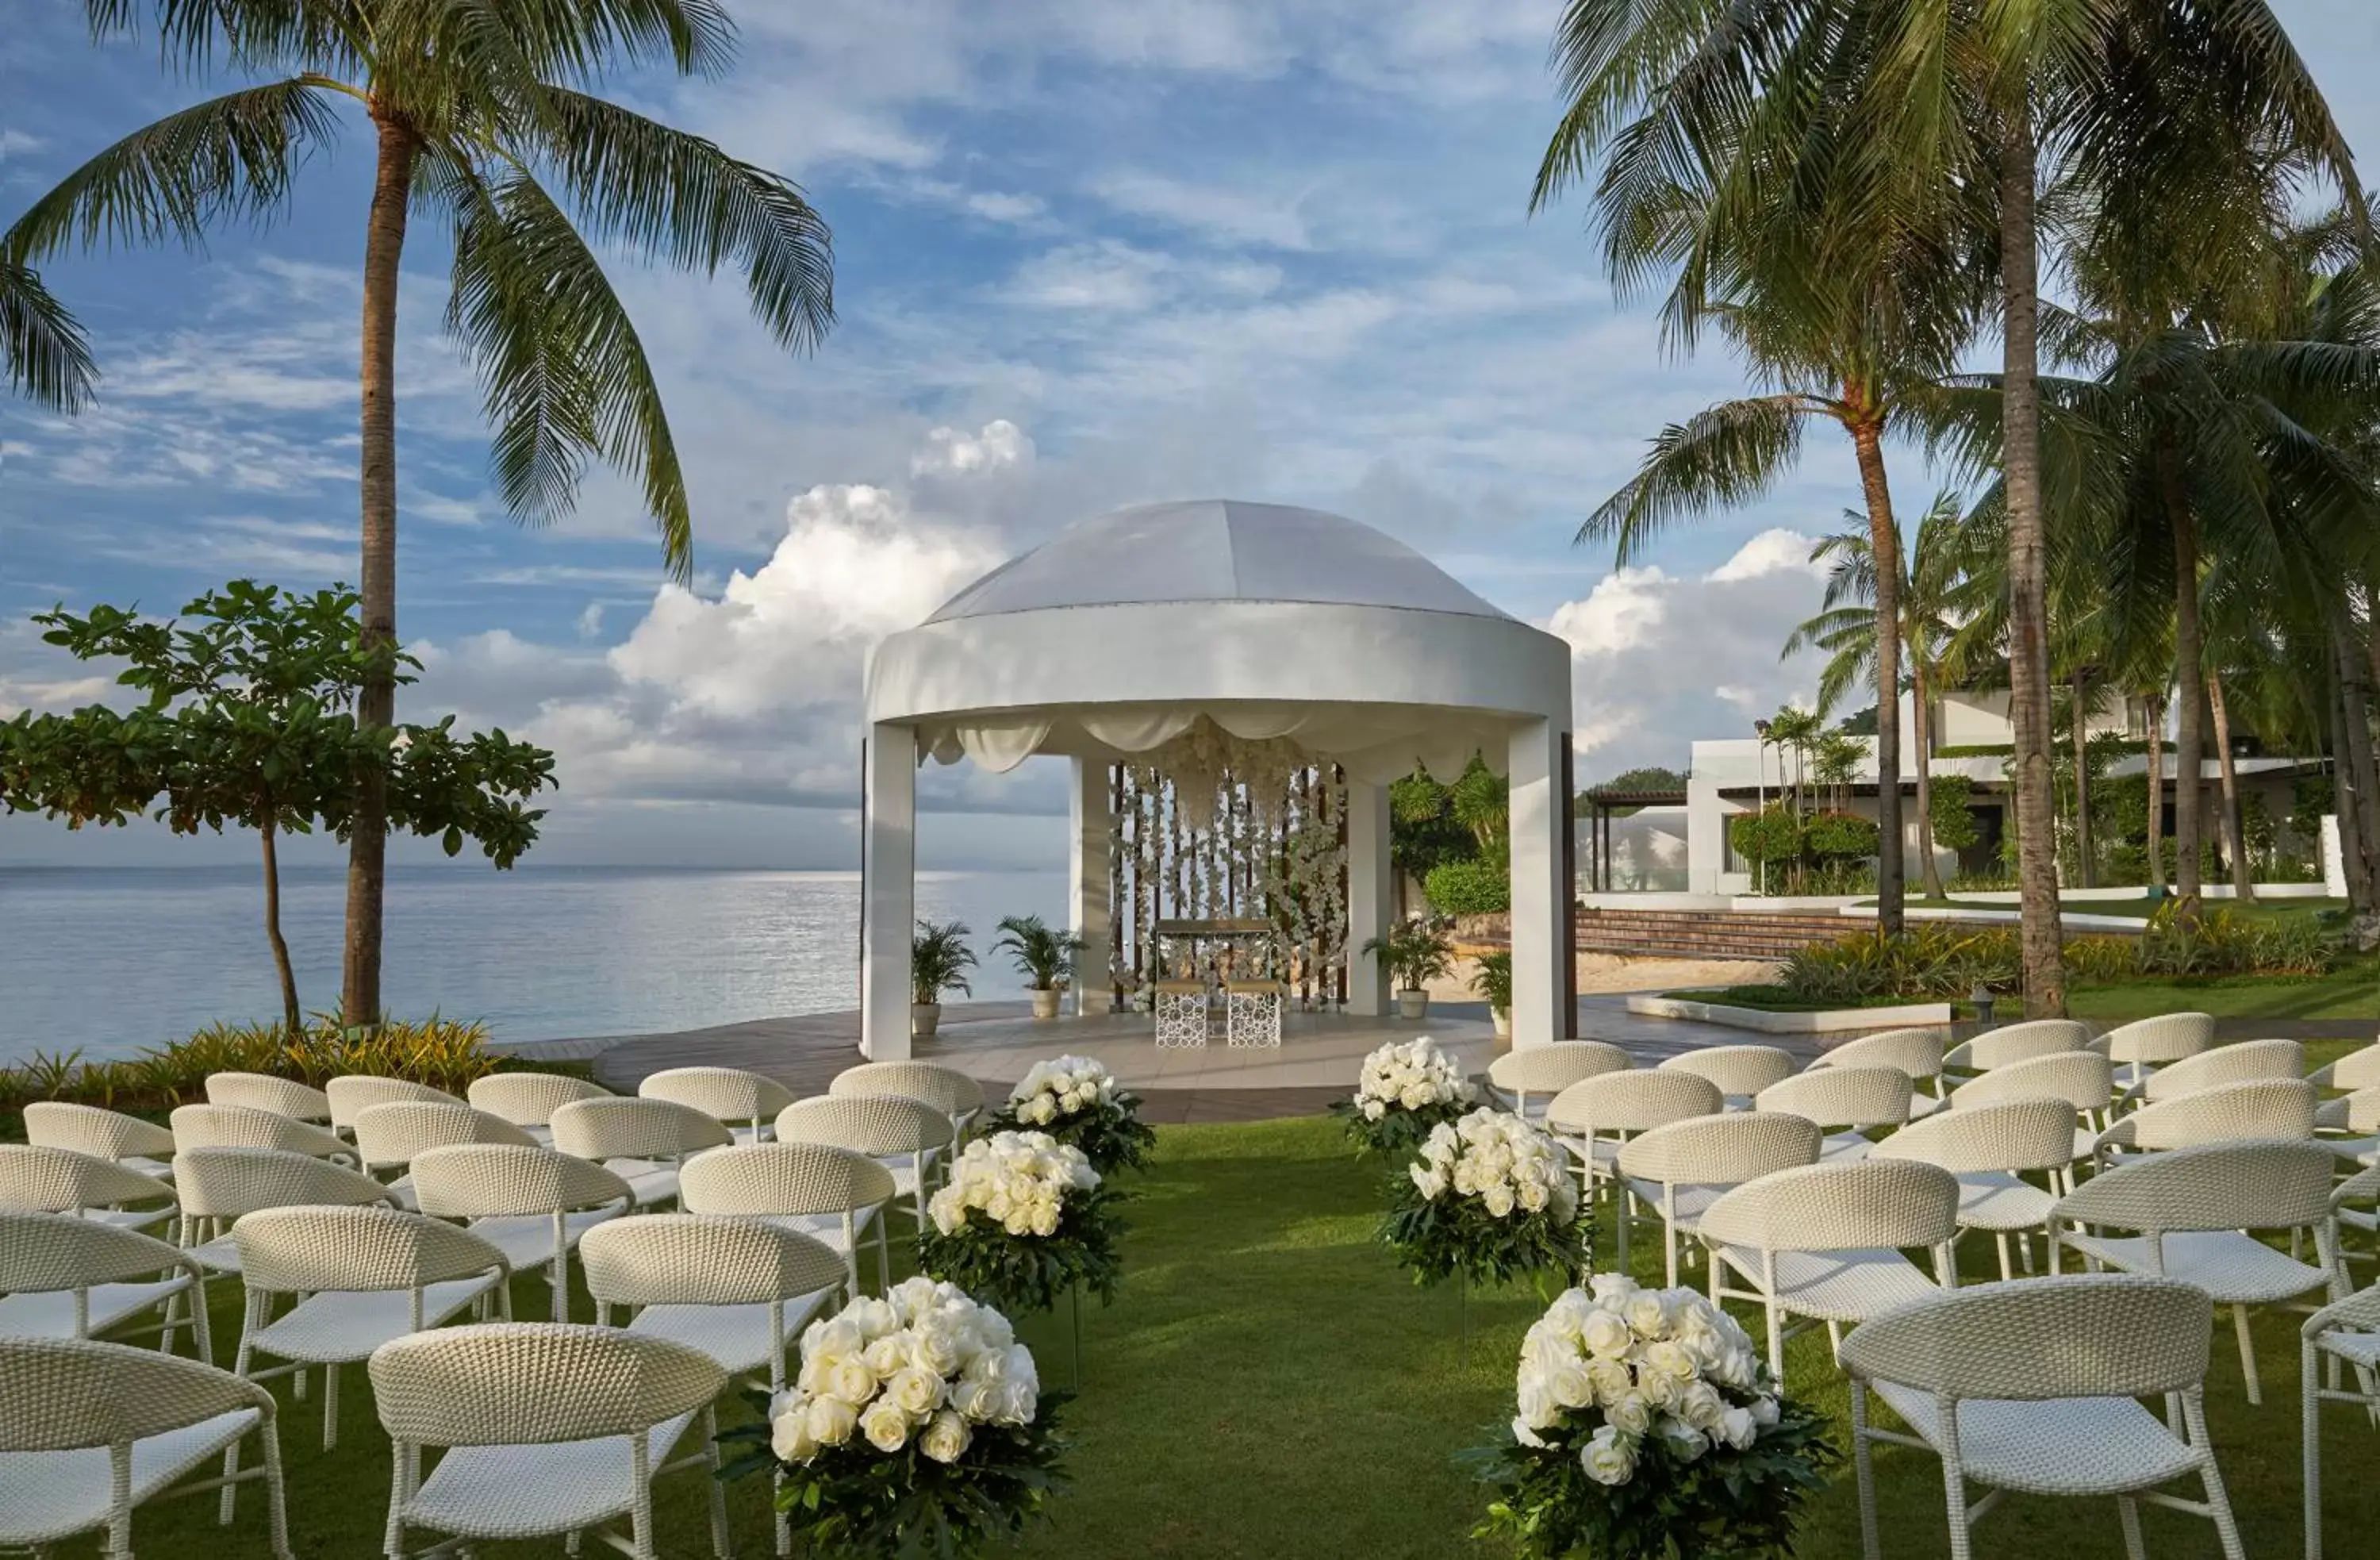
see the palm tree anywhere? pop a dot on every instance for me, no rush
(486, 118)
(48, 356)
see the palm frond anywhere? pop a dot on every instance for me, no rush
(49, 356)
(1723, 454)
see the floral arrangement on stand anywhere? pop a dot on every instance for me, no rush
(916, 1426)
(1023, 1220)
(1407, 1088)
(1490, 1199)
(1648, 1427)
(1075, 1100)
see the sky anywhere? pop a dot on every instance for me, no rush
(1088, 253)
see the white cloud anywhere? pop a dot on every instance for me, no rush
(1774, 551)
(1220, 212)
(1000, 446)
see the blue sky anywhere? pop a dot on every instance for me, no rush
(1088, 253)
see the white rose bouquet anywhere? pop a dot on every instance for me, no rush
(1076, 1101)
(1406, 1088)
(1489, 1197)
(917, 1425)
(1024, 1219)
(1648, 1427)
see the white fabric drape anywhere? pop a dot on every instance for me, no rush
(1376, 744)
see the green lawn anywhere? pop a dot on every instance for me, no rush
(2142, 908)
(1270, 1384)
(2346, 993)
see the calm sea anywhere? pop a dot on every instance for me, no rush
(113, 959)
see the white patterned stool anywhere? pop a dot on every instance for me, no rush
(1252, 1012)
(1181, 1007)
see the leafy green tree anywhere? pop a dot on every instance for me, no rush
(485, 118)
(247, 721)
(47, 353)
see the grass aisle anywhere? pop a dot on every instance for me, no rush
(1271, 1385)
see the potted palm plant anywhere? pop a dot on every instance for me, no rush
(1493, 981)
(1043, 955)
(1416, 953)
(939, 960)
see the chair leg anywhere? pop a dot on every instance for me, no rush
(2218, 1500)
(2130, 1510)
(558, 1276)
(2310, 1437)
(1954, 1490)
(722, 1545)
(1870, 1547)
(2247, 1354)
(276, 1496)
(1999, 1238)
(329, 1406)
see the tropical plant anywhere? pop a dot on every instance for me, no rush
(1415, 952)
(1954, 828)
(1043, 954)
(485, 119)
(939, 960)
(1933, 959)
(47, 352)
(1469, 887)
(1764, 838)
(1492, 979)
(1834, 837)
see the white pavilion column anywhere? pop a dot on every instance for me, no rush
(1540, 918)
(889, 912)
(1368, 890)
(1091, 840)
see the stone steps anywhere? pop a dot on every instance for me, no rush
(1719, 934)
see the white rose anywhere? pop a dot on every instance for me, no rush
(1764, 1411)
(1658, 1387)
(1668, 1358)
(939, 1342)
(1571, 1386)
(1605, 1335)
(1610, 1289)
(1374, 1110)
(874, 1318)
(918, 1392)
(1017, 1402)
(1499, 1199)
(1613, 1380)
(1684, 1441)
(790, 1437)
(839, 1336)
(832, 1421)
(1648, 1313)
(1608, 1457)
(887, 1355)
(978, 1398)
(1415, 1096)
(1045, 1219)
(1738, 1428)
(1535, 1402)
(1533, 1197)
(1525, 1435)
(1738, 1368)
(1428, 1182)
(884, 1424)
(1630, 1413)
(946, 1438)
(851, 1380)
(1701, 1405)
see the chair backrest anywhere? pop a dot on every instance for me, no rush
(2272, 1183)
(45, 1180)
(2081, 1335)
(2085, 1079)
(1869, 1203)
(2358, 1112)
(54, 1124)
(617, 1128)
(1742, 1070)
(44, 1252)
(68, 1394)
(690, 1259)
(874, 1125)
(728, 1094)
(2003, 1135)
(529, 1099)
(1549, 1069)
(1726, 1150)
(524, 1384)
(783, 1178)
(2275, 1107)
(1842, 1096)
(263, 1092)
(1632, 1101)
(2357, 1070)
(388, 1136)
(245, 1126)
(2169, 1037)
(2011, 1044)
(352, 1095)
(309, 1249)
(1917, 1053)
(2241, 1062)
(229, 1183)
(507, 1180)
(948, 1090)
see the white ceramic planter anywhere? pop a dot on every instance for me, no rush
(1502, 1019)
(1045, 1001)
(1412, 1004)
(923, 1019)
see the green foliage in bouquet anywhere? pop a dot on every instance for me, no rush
(1023, 1220)
(1490, 1199)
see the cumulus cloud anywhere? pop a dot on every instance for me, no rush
(951, 452)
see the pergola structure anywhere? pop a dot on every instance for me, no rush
(1123, 632)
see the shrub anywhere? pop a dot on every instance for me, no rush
(1764, 837)
(443, 1053)
(1837, 837)
(1469, 887)
(2105, 958)
(1936, 960)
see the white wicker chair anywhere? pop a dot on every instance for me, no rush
(2143, 1045)
(2083, 1079)
(1593, 1117)
(2345, 1331)
(832, 1195)
(245, 1126)
(2358, 1116)
(2034, 1386)
(1845, 1103)
(389, 1136)
(364, 1275)
(263, 1092)
(65, 1277)
(531, 1203)
(1546, 1070)
(130, 1141)
(1917, 1053)
(40, 1180)
(2277, 1107)
(2356, 1071)
(358, 1092)
(948, 1090)
(645, 1142)
(906, 1136)
(2246, 1061)
(1682, 1168)
(2192, 1211)
(1991, 1148)
(547, 1428)
(528, 1100)
(743, 1102)
(92, 1430)
(219, 1187)
(2011, 1044)
(1825, 1242)
(1740, 1071)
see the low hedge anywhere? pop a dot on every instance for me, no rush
(1472, 888)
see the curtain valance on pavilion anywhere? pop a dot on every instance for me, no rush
(1376, 744)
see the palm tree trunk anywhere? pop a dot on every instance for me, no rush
(360, 1000)
(2347, 804)
(2357, 780)
(2157, 795)
(2045, 974)
(2235, 835)
(2084, 869)
(1922, 719)
(291, 1015)
(1884, 549)
(2189, 670)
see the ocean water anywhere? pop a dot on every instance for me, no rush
(110, 960)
